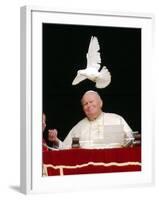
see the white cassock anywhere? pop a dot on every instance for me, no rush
(88, 131)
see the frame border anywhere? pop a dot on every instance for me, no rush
(26, 151)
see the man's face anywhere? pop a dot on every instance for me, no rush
(91, 105)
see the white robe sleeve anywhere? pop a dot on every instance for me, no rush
(128, 132)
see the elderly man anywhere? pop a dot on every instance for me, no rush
(92, 128)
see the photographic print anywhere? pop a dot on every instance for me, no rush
(85, 99)
(66, 52)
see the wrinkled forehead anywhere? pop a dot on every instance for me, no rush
(90, 96)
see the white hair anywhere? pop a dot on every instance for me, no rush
(89, 92)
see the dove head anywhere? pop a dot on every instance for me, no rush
(82, 72)
(92, 104)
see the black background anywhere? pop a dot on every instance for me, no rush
(64, 52)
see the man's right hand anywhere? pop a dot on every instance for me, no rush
(52, 135)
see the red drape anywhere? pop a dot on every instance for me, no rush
(74, 157)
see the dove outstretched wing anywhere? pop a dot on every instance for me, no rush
(93, 55)
(78, 79)
(104, 78)
(91, 72)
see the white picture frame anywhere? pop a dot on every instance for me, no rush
(31, 100)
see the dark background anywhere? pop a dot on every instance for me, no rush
(64, 52)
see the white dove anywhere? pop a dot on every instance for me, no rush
(102, 78)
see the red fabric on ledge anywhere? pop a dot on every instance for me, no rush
(73, 157)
